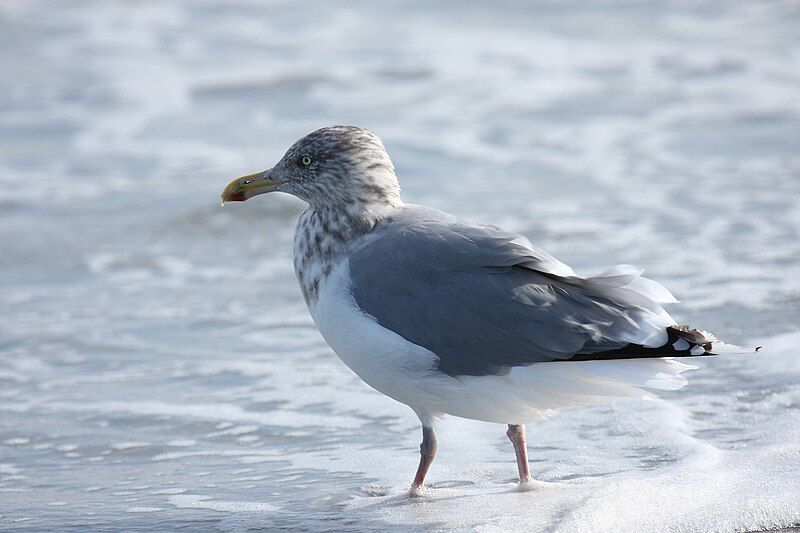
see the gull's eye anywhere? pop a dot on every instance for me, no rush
(305, 160)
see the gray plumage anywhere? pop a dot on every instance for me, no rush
(484, 300)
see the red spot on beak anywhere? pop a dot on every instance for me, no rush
(236, 197)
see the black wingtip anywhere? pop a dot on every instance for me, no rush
(758, 348)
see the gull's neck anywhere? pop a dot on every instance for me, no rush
(325, 234)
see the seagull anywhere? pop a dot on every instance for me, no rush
(455, 318)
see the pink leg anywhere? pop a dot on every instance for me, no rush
(427, 451)
(516, 434)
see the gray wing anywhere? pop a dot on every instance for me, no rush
(484, 300)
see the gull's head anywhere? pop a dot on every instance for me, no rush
(336, 167)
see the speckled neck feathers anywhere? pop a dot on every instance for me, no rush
(349, 183)
(323, 238)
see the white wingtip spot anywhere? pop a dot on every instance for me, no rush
(697, 350)
(681, 344)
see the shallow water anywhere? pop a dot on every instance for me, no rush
(158, 369)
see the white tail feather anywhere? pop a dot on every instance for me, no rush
(530, 392)
(721, 348)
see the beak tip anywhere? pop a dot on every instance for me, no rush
(235, 197)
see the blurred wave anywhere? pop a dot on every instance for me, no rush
(158, 345)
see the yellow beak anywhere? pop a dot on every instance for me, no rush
(248, 186)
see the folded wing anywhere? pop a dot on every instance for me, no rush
(485, 300)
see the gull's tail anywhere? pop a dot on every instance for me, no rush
(631, 371)
(640, 328)
(529, 392)
(682, 341)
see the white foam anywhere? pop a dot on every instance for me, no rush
(169, 491)
(182, 443)
(144, 509)
(234, 431)
(209, 411)
(130, 445)
(192, 501)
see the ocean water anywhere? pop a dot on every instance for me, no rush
(158, 369)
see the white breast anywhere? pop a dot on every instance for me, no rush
(383, 359)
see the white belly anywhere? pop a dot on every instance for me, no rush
(383, 359)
